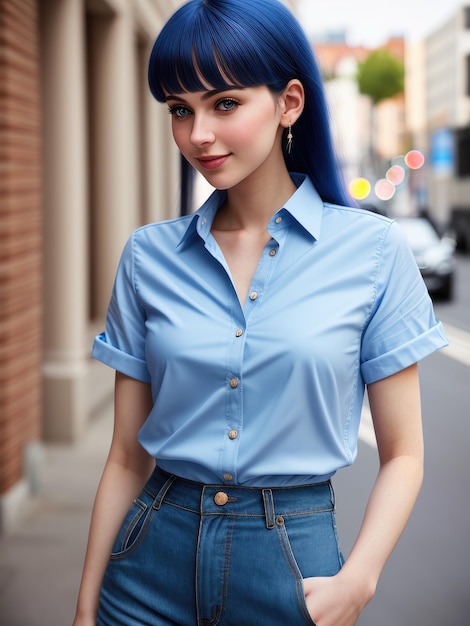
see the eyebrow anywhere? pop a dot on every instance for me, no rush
(208, 94)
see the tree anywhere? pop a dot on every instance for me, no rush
(381, 75)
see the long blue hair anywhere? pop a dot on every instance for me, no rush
(251, 43)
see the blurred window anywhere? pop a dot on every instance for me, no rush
(467, 67)
(467, 17)
(462, 140)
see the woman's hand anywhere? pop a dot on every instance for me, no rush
(396, 412)
(336, 600)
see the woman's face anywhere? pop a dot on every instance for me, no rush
(228, 135)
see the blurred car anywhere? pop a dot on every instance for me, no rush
(434, 255)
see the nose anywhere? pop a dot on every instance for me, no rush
(201, 132)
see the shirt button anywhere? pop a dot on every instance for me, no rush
(228, 477)
(253, 295)
(272, 253)
(221, 498)
(278, 220)
(233, 434)
(239, 333)
(234, 383)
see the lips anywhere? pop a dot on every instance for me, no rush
(212, 162)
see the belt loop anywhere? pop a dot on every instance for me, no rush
(157, 503)
(332, 494)
(268, 503)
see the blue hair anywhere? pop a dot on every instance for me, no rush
(250, 43)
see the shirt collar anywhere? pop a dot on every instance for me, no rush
(201, 221)
(305, 206)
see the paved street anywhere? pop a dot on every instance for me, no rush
(425, 582)
(40, 565)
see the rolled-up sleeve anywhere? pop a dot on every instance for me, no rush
(122, 344)
(402, 328)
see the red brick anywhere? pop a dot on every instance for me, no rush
(20, 236)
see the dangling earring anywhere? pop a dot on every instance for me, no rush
(289, 139)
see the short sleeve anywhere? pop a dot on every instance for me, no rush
(122, 344)
(402, 328)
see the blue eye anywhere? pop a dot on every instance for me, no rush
(179, 111)
(227, 104)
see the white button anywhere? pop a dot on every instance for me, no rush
(233, 434)
(278, 220)
(272, 253)
(228, 477)
(239, 333)
(234, 383)
(253, 295)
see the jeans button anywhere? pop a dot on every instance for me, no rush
(221, 498)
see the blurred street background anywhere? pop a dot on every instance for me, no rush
(86, 156)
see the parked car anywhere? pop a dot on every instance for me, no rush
(434, 255)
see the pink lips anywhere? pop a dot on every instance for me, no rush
(212, 163)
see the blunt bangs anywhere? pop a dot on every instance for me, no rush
(218, 43)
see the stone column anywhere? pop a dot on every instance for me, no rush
(65, 212)
(115, 157)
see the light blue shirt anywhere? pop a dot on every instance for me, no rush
(268, 393)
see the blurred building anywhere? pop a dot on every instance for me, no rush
(86, 157)
(446, 68)
(359, 134)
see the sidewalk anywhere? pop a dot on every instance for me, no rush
(40, 564)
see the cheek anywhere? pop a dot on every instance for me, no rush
(178, 135)
(252, 133)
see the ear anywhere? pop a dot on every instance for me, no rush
(291, 102)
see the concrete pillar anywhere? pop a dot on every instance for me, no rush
(161, 159)
(65, 211)
(115, 157)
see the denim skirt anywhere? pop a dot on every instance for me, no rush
(190, 554)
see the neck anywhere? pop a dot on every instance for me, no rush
(251, 205)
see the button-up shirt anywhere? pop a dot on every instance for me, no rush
(267, 392)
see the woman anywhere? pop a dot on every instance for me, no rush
(243, 337)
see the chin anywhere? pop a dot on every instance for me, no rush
(220, 182)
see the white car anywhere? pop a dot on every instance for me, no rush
(434, 255)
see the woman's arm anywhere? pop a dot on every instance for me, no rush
(127, 468)
(396, 412)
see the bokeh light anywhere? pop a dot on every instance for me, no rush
(359, 188)
(414, 159)
(384, 189)
(396, 175)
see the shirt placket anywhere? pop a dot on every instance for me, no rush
(240, 331)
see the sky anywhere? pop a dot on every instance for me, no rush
(371, 22)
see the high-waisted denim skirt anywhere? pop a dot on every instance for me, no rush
(190, 554)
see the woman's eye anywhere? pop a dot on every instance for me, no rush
(179, 111)
(227, 104)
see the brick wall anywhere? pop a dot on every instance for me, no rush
(20, 237)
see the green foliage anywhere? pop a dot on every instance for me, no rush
(381, 75)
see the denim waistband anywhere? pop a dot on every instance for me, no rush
(237, 500)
